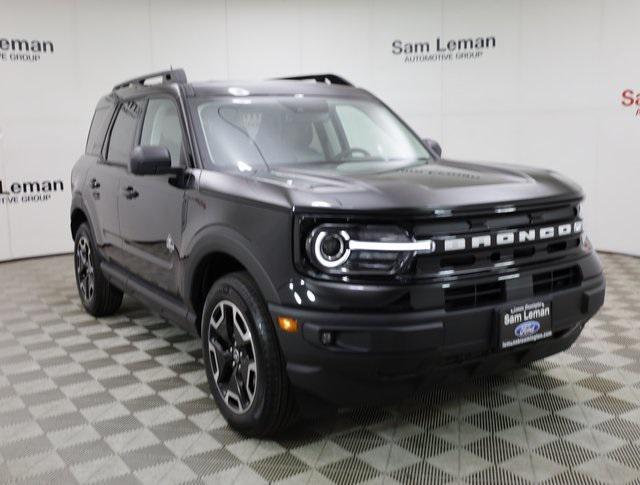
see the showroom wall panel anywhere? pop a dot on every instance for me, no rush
(5, 242)
(40, 124)
(546, 91)
(194, 38)
(397, 80)
(336, 36)
(263, 41)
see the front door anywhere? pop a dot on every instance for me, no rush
(152, 208)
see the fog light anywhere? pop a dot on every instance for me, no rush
(288, 324)
(326, 338)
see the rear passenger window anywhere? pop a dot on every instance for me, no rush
(123, 132)
(98, 129)
(161, 127)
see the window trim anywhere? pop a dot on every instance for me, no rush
(112, 107)
(141, 99)
(107, 119)
(107, 142)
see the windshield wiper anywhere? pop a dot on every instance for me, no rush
(419, 159)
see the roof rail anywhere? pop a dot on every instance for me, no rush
(172, 75)
(319, 78)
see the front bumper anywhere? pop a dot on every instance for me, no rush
(383, 356)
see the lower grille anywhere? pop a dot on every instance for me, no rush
(556, 280)
(474, 295)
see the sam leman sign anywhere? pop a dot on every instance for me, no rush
(24, 50)
(442, 49)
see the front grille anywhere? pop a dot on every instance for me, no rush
(474, 261)
(473, 295)
(559, 279)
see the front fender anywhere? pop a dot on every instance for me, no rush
(77, 204)
(223, 239)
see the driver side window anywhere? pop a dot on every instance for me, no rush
(162, 127)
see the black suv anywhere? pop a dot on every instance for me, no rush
(318, 246)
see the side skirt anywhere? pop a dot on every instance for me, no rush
(155, 299)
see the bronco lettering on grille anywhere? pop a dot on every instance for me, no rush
(505, 238)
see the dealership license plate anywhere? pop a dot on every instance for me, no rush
(524, 323)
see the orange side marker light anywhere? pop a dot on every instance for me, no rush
(288, 324)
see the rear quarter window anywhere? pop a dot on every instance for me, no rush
(98, 130)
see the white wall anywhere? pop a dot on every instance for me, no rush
(548, 94)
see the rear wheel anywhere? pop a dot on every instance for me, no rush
(99, 297)
(244, 365)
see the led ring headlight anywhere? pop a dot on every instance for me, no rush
(323, 254)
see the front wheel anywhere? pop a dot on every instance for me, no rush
(244, 365)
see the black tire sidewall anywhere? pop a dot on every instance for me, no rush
(85, 231)
(236, 289)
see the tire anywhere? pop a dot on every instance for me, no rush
(245, 367)
(99, 297)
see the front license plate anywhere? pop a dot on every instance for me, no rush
(524, 323)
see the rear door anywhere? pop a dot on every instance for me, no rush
(152, 208)
(101, 184)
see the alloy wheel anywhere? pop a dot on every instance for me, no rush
(233, 356)
(84, 269)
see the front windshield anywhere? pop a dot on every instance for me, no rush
(253, 133)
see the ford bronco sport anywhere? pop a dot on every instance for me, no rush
(317, 246)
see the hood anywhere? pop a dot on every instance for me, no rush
(419, 186)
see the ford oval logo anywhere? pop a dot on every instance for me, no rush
(525, 329)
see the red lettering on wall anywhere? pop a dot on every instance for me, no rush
(627, 97)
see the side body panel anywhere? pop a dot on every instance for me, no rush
(151, 225)
(255, 234)
(100, 194)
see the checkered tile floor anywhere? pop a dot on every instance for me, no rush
(125, 400)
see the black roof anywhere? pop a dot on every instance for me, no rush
(270, 87)
(312, 84)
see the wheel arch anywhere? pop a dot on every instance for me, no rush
(215, 252)
(78, 216)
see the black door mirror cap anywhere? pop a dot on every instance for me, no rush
(151, 160)
(433, 146)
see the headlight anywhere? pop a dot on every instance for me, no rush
(331, 248)
(343, 249)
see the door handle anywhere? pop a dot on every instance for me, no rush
(94, 184)
(130, 193)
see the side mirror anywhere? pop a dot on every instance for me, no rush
(150, 160)
(433, 145)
